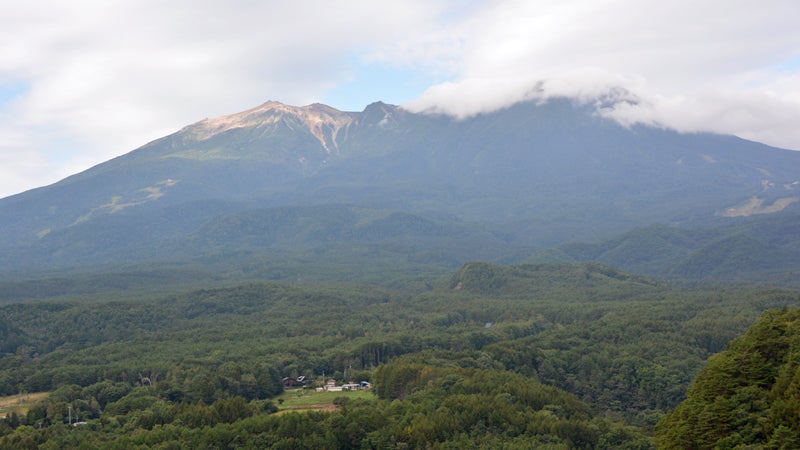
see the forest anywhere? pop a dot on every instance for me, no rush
(554, 356)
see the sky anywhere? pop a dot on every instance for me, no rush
(87, 80)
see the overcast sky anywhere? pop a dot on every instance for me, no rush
(86, 80)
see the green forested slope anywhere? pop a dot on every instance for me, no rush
(748, 396)
(763, 249)
(566, 356)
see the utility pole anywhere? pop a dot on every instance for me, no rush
(70, 414)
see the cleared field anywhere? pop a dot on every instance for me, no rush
(19, 403)
(308, 400)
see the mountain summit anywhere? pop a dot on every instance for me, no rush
(322, 121)
(535, 174)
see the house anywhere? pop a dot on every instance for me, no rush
(331, 386)
(289, 382)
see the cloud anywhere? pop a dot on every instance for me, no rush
(724, 66)
(477, 95)
(759, 115)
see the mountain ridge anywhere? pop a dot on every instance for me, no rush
(542, 173)
(759, 248)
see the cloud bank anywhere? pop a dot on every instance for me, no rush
(84, 81)
(722, 66)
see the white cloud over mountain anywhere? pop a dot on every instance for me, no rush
(723, 66)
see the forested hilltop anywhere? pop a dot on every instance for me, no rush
(747, 396)
(534, 355)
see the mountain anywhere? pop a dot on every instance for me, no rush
(760, 248)
(279, 177)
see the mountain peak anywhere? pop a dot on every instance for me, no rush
(381, 113)
(322, 121)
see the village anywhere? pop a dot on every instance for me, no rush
(302, 381)
(304, 394)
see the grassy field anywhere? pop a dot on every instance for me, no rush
(19, 403)
(294, 400)
(310, 400)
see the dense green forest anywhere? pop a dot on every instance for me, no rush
(748, 395)
(747, 250)
(533, 355)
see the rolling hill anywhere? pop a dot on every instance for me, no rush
(756, 249)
